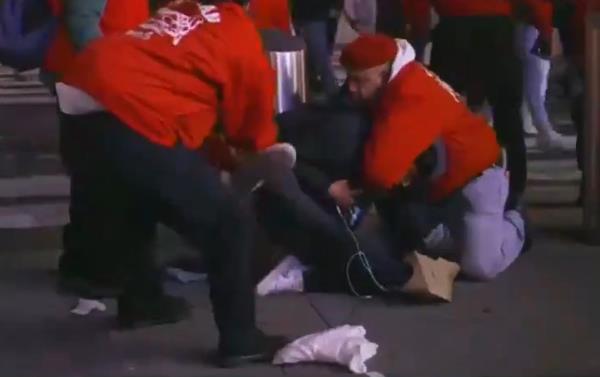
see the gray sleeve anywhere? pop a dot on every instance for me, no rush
(83, 20)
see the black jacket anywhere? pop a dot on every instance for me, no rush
(329, 142)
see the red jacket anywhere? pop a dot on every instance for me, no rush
(119, 16)
(182, 72)
(418, 12)
(271, 14)
(417, 109)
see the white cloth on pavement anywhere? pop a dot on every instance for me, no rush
(85, 307)
(346, 345)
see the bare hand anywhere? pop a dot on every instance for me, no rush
(343, 194)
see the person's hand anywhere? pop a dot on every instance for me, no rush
(542, 48)
(343, 194)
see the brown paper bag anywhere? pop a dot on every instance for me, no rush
(433, 279)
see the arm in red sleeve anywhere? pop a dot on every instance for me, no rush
(418, 17)
(541, 15)
(397, 139)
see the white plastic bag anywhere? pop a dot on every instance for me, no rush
(345, 345)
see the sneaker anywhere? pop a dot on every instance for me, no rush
(261, 349)
(552, 141)
(286, 277)
(135, 313)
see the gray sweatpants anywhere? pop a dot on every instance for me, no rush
(475, 224)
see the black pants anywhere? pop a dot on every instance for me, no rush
(317, 236)
(95, 240)
(143, 183)
(476, 56)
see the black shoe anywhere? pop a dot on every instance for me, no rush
(136, 313)
(262, 351)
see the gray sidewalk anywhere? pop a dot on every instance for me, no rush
(537, 319)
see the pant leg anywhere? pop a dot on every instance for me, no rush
(536, 71)
(504, 89)
(93, 240)
(319, 53)
(315, 233)
(451, 54)
(189, 197)
(490, 238)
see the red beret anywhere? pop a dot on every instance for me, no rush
(368, 51)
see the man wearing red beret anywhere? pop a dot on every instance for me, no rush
(474, 51)
(412, 109)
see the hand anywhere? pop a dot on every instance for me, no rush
(542, 48)
(343, 194)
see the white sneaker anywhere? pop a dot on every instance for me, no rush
(552, 141)
(286, 277)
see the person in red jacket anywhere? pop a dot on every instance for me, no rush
(412, 109)
(474, 52)
(144, 103)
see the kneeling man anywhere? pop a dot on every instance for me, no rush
(412, 111)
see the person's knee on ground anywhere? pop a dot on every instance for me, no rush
(492, 238)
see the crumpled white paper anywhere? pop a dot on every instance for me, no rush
(345, 345)
(85, 307)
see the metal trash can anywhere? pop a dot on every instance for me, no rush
(591, 209)
(287, 55)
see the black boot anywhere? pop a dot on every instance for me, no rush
(138, 312)
(258, 348)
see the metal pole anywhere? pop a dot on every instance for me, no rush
(287, 55)
(591, 210)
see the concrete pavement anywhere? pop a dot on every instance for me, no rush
(537, 319)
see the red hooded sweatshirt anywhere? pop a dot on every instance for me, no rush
(188, 68)
(418, 12)
(417, 109)
(119, 16)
